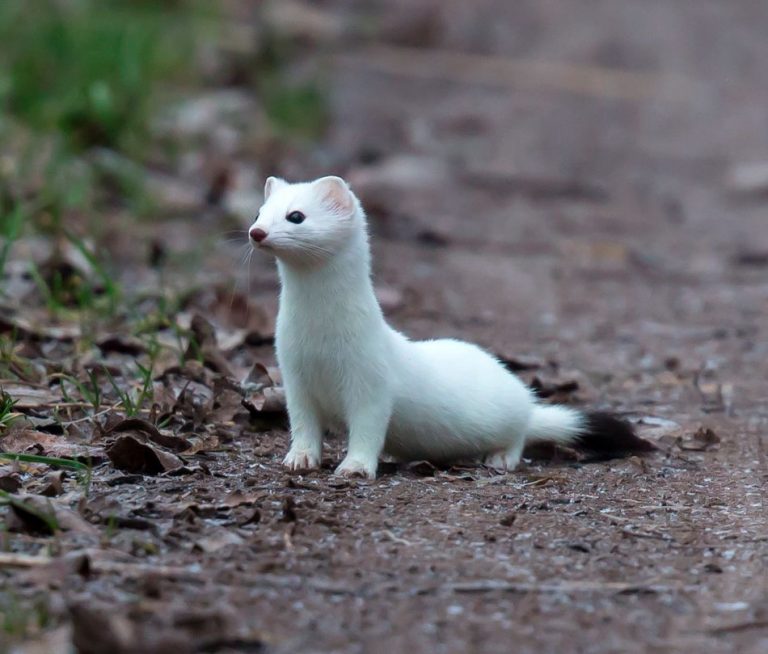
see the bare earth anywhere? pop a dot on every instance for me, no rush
(553, 180)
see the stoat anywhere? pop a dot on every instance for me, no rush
(344, 367)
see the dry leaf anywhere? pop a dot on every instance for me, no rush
(30, 441)
(703, 440)
(219, 540)
(38, 515)
(10, 480)
(31, 397)
(130, 453)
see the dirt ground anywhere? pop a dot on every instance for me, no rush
(576, 187)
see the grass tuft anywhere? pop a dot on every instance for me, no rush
(88, 69)
(7, 414)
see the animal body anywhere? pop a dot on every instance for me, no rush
(344, 367)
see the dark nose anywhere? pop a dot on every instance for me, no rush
(257, 234)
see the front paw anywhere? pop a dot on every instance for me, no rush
(298, 459)
(357, 468)
(496, 462)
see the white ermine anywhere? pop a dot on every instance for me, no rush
(344, 367)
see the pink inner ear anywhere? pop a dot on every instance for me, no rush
(336, 195)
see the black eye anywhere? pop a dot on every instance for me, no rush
(295, 217)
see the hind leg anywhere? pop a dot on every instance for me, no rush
(505, 460)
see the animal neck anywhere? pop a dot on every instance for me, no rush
(339, 289)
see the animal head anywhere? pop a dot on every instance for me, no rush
(306, 223)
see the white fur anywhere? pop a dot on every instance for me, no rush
(344, 367)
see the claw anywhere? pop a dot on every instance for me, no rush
(301, 460)
(352, 468)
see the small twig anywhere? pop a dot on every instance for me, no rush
(288, 537)
(739, 626)
(616, 519)
(30, 384)
(16, 560)
(646, 534)
(396, 539)
(491, 585)
(93, 417)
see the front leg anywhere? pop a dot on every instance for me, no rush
(368, 424)
(306, 432)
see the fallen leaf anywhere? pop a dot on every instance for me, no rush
(54, 484)
(24, 328)
(130, 453)
(258, 378)
(10, 480)
(508, 520)
(219, 540)
(122, 344)
(38, 515)
(201, 443)
(30, 441)
(262, 396)
(99, 629)
(31, 397)
(51, 640)
(703, 439)
(421, 468)
(520, 363)
(203, 345)
(151, 432)
(557, 390)
(270, 400)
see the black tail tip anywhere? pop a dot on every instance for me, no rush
(607, 437)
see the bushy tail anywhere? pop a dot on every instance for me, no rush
(599, 435)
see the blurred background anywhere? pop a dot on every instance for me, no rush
(579, 180)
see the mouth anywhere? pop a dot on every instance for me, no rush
(261, 246)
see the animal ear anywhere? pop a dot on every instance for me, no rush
(335, 194)
(272, 184)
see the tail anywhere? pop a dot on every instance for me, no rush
(598, 435)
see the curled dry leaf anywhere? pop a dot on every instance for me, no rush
(150, 432)
(520, 363)
(10, 479)
(262, 396)
(258, 377)
(121, 344)
(557, 391)
(98, 629)
(31, 441)
(270, 400)
(38, 515)
(36, 330)
(31, 397)
(204, 345)
(227, 401)
(130, 452)
(201, 443)
(421, 468)
(549, 452)
(217, 541)
(54, 484)
(703, 439)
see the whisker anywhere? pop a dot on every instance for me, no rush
(248, 274)
(233, 240)
(245, 252)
